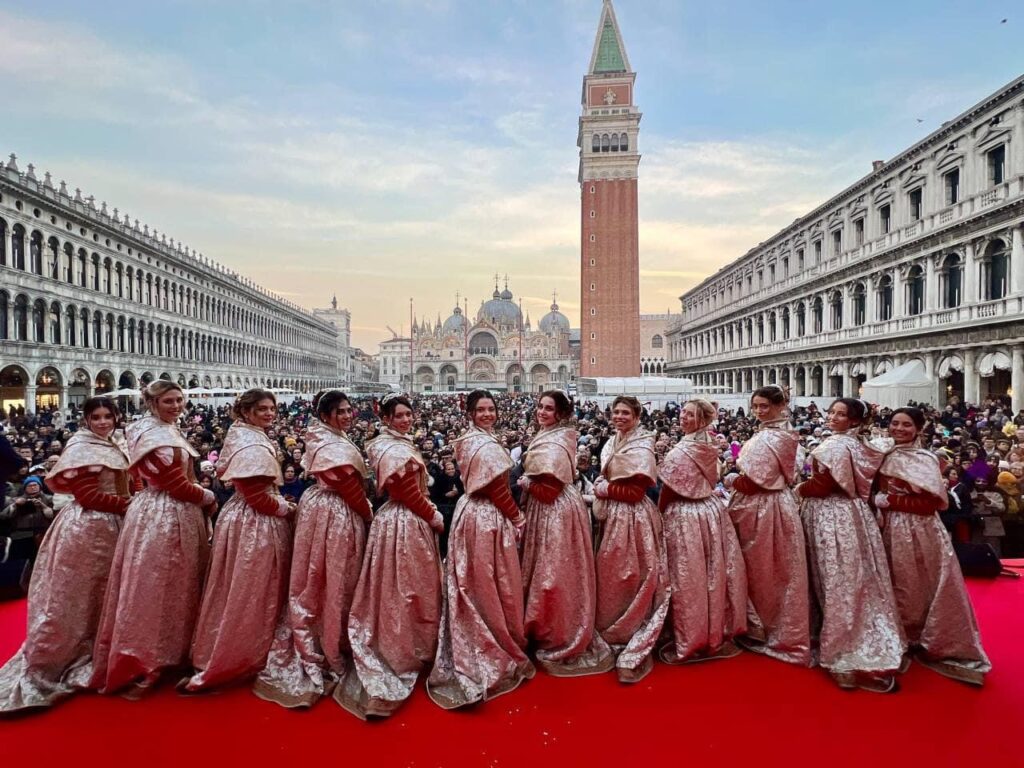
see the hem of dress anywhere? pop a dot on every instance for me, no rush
(372, 708)
(726, 650)
(951, 669)
(799, 658)
(275, 695)
(449, 702)
(573, 668)
(635, 674)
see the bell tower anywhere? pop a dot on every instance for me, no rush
(609, 163)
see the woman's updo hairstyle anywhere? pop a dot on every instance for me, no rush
(857, 411)
(630, 402)
(705, 409)
(563, 403)
(157, 389)
(475, 397)
(391, 401)
(248, 400)
(94, 404)
(326, 402)
(916, 415)
(773, 393)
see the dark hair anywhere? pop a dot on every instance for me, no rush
(94, 404)
(916, 415)
(476, 396)
(391, 401)
(773, 393)
(856, 410)
(630, 402)
(248, 400)
(563, 403)
(327, 400)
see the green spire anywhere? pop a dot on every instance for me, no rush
(609, 55)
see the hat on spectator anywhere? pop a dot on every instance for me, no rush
(31, 479)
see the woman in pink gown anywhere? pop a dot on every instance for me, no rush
(396, 609)
(156, 579)
(311, 649)
(934, 607)
(860, 640)
(73, 565)
(767, 519)
(558, 551)
(248, 578)
(631, 565)
(481, 649)
(708, 607)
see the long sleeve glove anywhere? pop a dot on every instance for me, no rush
(629, 491)
(744, 484)
(406, 491)
(501, 496)
(544, 489)
(350, 487)
(170, 478)
(85, 487)
(254, 491)
(820, 485)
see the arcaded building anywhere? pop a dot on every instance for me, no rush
(919, 262)
(93, 302)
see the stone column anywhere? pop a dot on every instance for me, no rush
(849, 383)
(931, 290)
(970, 288)
(30, 398)
(899, 290)
(64, 401)
(970, 378)
(1017, 371)
(870, 313)
(1017, 265)
(778, 374)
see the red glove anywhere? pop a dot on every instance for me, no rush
(501, 497)
(629, 491)
(915, 504)
(819, 486)
(406, 491)
(666, 497)
(744, 484)
(86, 490)
(172, 481)
(255, 491)
(545, 489)
(350, 487)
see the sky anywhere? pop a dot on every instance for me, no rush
(398, 149)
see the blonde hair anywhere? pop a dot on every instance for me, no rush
(707, 410)
(157, 389)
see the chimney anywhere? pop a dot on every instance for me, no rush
(876, 164)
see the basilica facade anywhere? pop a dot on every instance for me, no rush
(497, 349)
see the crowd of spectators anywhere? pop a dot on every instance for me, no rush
(981, 446)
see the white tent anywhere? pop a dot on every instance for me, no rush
(896, 387)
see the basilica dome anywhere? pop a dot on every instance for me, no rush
(454, 324)
(500, 310)
(554, 322)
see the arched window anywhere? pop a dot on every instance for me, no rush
(35, 253)
(72, 326)
(97, 330)
(55, 317)
(951, 277)
(18, 247)
(624, 142)
(595, 145)
(859, 304)
(605, 143)
(5, 302)
(21, 318)
(836, 304)
(817, 315)
(53, 258)
(885, 298)
(785, 321)
(915, 291)
(657, 342)
(995, 270)
(771, 327)
(801, 319)
(83, 328)
(615, 142)
(3, 242)
(95, 271)
(39, 321)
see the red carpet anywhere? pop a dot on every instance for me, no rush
(748, 710)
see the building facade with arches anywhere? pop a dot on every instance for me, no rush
(922, 259)
(498, 349)
(91, 302)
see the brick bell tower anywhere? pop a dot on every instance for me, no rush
(609, 161)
